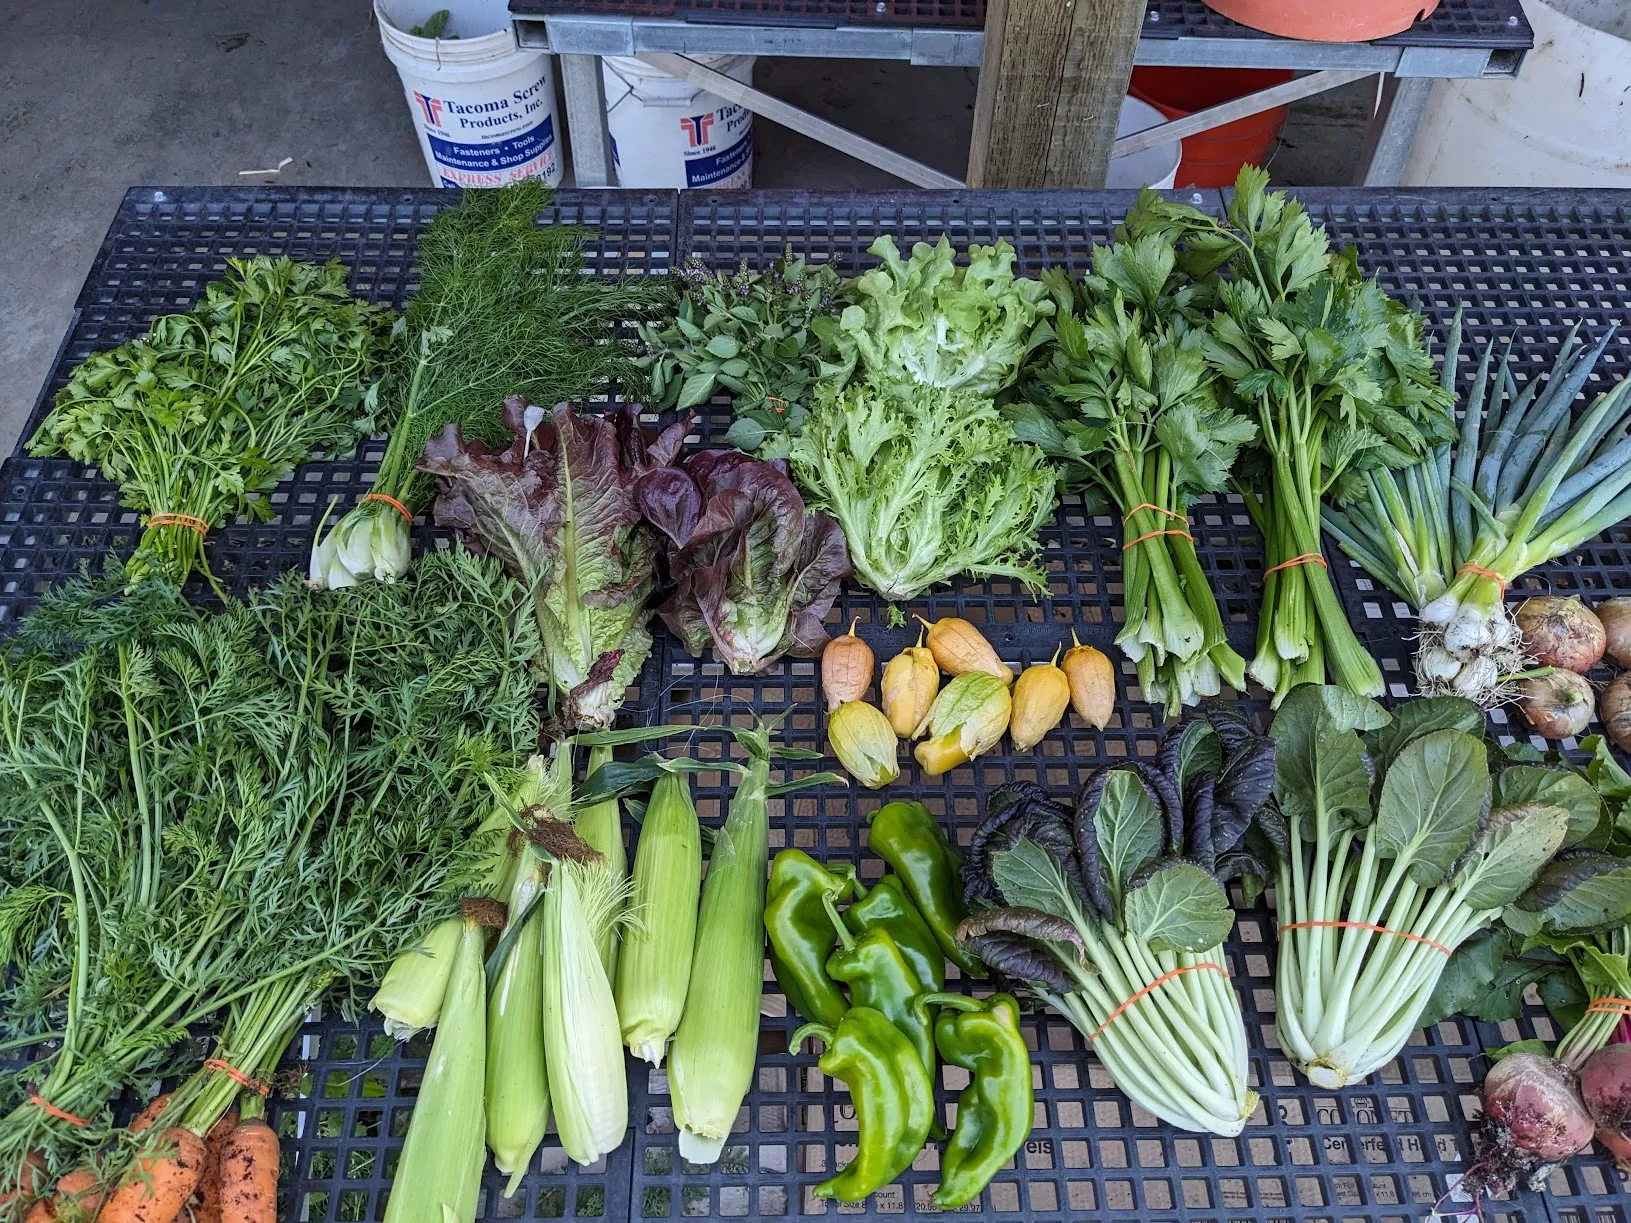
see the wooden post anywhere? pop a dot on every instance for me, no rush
(1052, 77)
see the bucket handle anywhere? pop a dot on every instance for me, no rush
(628, 89)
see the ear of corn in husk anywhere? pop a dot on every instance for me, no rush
(654, 967)
(1092, 679)
(517, 1083)
(864, 743)
(601, 826)
(846, 668)
(959, 648)
(1041, 696)
(910, 683)
(966, 720)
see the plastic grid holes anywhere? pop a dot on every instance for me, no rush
(1379, 1151)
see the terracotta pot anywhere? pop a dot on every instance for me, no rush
(1212, 158)
(1326, 20)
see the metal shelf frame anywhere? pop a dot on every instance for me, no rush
(1406, 65)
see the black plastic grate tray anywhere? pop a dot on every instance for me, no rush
(1524, 262)
(1495, 24)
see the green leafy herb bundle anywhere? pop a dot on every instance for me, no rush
(1125, 401)
(504, 306)
(228, 815)
(927, 484)
(1115, 913)
(1397, 847)
(762, 336)
(217, 405)
(1338, 381)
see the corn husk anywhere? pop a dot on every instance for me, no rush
(958, 647)
(1041, 695)
(1092, 679)
(654, 968)
(602, 827)
(966, 720)
(438, 1178)
(582, 1041)
(517, 1095)
(846, 669)
(710, 1066)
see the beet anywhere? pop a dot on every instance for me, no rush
(1605, 1086)
(1533, 1118)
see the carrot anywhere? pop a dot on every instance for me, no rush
(40, 1212)
(208, 1198)
(158, 1185)
(249, 1166)
(79, 1196)
(144, 1119)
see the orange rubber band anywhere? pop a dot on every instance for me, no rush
(1153, 534)
(53, 1111)
(238, 1076)
(781, 411)
(1153, 985)
(1159, 509)
(1307, 558)
(179, 520)
(1359, 925)
(393, 502)
(1610, 1006)
(1469, 567)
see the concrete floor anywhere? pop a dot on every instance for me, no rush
(98, 95)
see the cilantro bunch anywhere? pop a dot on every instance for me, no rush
(212, 407)
(1127, 404)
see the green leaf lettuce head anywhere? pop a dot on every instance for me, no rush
(557, 508)
(924, 320)
(212, 407)
(927, 484)
(753, 572)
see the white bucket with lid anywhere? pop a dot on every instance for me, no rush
(669, 133)
(1154, 167)
(483, 107)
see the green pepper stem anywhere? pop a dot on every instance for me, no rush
(844, 936)
(956, 1002)
(818, 1031)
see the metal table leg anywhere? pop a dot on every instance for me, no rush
(586, 120)
(1393, 130)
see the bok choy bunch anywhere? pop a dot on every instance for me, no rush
(1115, 913)
(1395, 849)
(1528, 479)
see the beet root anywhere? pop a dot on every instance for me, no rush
(1605, 1086)
(1533, 1119)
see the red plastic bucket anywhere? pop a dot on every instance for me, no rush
(1213, 158)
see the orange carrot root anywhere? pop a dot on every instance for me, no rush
(79, 1197)
(144, 1119)
(249, 1167)
(40, 1212)
(157, 1186)
(207, 1199)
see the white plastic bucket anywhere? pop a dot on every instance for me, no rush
(1564, 121)
(1154, 167)
(483, 107)
(669, 133)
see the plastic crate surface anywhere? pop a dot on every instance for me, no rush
(1525, 263)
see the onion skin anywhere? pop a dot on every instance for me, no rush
(1615, 711)
(1535, 1100)
(1605, 1086)
(1557, 706)
(1562, 633)
(1615, 615)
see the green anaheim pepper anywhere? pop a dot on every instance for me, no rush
(994, 1112)
(800, 916)
(910, 839)
(880, 977)
(892, 1094)
(888, 907)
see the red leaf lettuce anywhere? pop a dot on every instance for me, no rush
(752, 570)
(557, 508)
